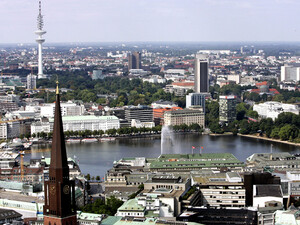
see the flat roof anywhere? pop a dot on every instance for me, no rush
(268, 190)
(195, 160)
(131, 205)
(85, 118)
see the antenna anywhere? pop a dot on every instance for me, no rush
(40, 21)
(40, 40)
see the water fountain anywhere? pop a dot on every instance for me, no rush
(168, 143)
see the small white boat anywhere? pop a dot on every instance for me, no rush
(72, 140)
(107, 139)
(89, 140)
(27, 145)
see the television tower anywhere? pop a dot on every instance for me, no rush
(40, 40)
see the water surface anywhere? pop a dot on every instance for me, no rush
(97, 158)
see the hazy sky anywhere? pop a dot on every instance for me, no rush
(151, 20)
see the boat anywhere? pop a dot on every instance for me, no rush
(89, 140)
(107, 139)
(73, 140)
(27, 145)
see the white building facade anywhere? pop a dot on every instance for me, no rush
(40, 127)
(67, 109)
(290, 73)
(31, 81)
(273, 109)
(9, 129)
(81, 123)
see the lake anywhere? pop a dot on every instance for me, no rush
(97, 158)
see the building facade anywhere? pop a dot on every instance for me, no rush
(158, 114)
(227, 108)
(141, 113)
(9, 129)
(290, 73)
(196, 100)
(82, 123)
(31, 81)
(273, 109)
(185, 116)
(201, 74)
(67, 109)
(134, 61)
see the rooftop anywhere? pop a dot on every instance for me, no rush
(196, 160)
(131, 205)
(9, 214)
(85, 118)
(268, 190)
(183, 111)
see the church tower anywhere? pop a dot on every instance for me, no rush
(59, 207)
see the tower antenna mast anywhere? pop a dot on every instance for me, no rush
(40, 40)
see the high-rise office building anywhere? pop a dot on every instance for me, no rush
(134, 61)
(201, 74)
(31, 81)
(290, 72)
(196, 100)
(227, 108)
(59, 207)
(141, 113)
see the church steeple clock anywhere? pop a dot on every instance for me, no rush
(59, 207)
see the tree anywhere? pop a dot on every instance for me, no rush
(275, 133)
(284, 118)
(97, 177)
(113, 203)
(284, 132)
(111, 131)
(254, 97)
(215, 128)
(245, 127)
(241, 110)
(88, 176)
(195, 127)
(278, 98)
(266, 126)
(252, 114)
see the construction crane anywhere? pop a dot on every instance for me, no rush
(22, 153)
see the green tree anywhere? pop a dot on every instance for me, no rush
(275, 133)
(278, 98)
(88, 176)
(241, 110)
(215, 128)
(245, 127)
(254, 97)
(266, 126)
(284, 132)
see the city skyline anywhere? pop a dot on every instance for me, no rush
(141, 20)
